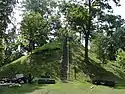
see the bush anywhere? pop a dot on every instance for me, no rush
(121, 58)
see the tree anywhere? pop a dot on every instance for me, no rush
(11, 49)
(34, 30)
(121, 58)
(6, 8)
(85, 16)
(107, 46)
(65, 60)
(81, 16)
(44, 7)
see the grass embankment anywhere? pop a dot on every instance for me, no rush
(43, 59)
(48, 59)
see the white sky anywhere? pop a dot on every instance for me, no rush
(18, 12)
(119, 10)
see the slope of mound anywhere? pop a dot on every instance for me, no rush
(47, 59)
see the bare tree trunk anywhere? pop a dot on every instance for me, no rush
(75, 71)
(87, 35)
(86, 48)
(70, 58)
(1, 52)
(1, 46)
(65, 61)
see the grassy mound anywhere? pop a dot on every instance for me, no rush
(43, 60)
(47, 59)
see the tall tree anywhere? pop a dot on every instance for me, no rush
(34, 30)
(12, 51)
(106, 47)
(65, 60)
(41, 6)
(6, 8)
(86, 16)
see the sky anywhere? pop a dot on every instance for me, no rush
(17, 13)
(119, 10)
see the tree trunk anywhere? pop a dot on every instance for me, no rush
(80, 36)
(75, 70)
(65, 61)
(31, 45)
(70, 58)
(87, 34)
(86, 48)
(1, 52)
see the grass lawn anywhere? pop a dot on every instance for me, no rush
(62, 88)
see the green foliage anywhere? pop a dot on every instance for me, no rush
(99, 46)
(11, 49)
(78, 14)
(121, 58)
(34, 30)
(106, 46)
(41, 6)
(6, 8)
(88, 18)
(40, 22)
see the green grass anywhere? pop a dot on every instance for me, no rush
(63, 88)
(48, 46)
(38, 63)
(24, 89)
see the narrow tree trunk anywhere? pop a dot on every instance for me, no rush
(80, 36)
(75, 71)
(1, 47)
(70, 59)
(1, 52)
(86, 48)
(87, 34)
(65, 61)
(31, 45)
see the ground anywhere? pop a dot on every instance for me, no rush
(63, 88)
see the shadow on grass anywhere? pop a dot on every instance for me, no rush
(121, 74)
(96, 71)
(24, 89)
(120, 85)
